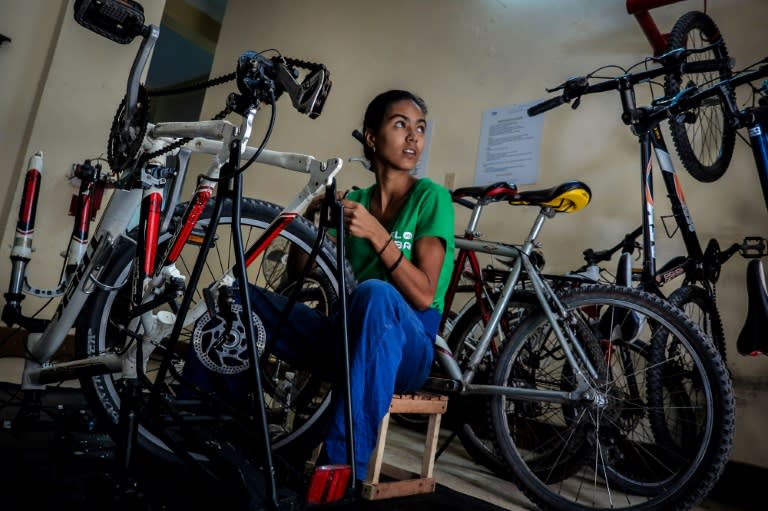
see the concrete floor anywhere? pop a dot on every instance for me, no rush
(453, 468)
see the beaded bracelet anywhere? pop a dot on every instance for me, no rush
(378, 254)
(397, 263)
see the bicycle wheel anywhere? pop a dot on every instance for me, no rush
(468, 416)
(297, 402)
(698, 306)
(703, 137)
(604, 452)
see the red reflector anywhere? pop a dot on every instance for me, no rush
(328, 483)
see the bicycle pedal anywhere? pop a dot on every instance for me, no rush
(753, 247)
(441, 385)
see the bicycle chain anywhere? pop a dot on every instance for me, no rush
(143, 113)
(181, 90)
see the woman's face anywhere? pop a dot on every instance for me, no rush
(400, 139)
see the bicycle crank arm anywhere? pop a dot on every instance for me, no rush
(443, 385)
(526, 394)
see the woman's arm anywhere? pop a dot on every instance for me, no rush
(416, 279)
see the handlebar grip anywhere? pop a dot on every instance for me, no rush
(542, 107)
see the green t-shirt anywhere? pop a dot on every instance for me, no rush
(428, 211)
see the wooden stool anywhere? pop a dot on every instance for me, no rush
(406, 483)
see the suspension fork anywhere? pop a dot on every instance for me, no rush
(88, 175)
(21, 252)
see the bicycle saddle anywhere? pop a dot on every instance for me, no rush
(564, 198)
(487, 193)
(753, 339)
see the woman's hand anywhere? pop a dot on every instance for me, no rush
(314, 206)
(359, 222)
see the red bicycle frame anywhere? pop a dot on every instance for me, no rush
(640, 10)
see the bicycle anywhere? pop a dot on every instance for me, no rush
(467, 369)
(462, 328)
(140, 294)
(703, 138)
(700, 267)
(546, 434)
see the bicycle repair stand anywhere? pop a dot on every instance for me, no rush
(330, 485)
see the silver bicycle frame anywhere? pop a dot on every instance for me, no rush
(545, 295)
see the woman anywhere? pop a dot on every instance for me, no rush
(400, 245)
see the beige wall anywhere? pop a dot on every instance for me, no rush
(468, 56)
(464, 57)
(61, 85)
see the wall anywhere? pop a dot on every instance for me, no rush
(463, 57)
(466, 57)
(61, 87)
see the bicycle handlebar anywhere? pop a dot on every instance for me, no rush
(689, 99)
(259, 79)
(672, 61)
(628, 242)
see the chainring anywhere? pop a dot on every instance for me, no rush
(124, 145)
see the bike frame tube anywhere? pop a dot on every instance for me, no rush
(675, 193)
(639, 9)
(759, 139)
(151, 206)
(463, 258)
(649, 227)
(81, 227)
(506, 293)
(653, 139)
(113, 223)
(542, 290)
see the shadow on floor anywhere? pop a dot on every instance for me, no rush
(63, 458)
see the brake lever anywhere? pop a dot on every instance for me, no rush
(576, 103)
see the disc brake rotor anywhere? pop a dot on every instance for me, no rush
(222, 350)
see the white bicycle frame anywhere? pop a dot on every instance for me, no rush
(209, 137)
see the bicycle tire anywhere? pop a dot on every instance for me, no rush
(97, 333)
(698, 306)
(468, 416)
(704, 138)
(627, 465)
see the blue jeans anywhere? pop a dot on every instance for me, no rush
(391, 351)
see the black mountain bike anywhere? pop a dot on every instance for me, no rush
(699, 267)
